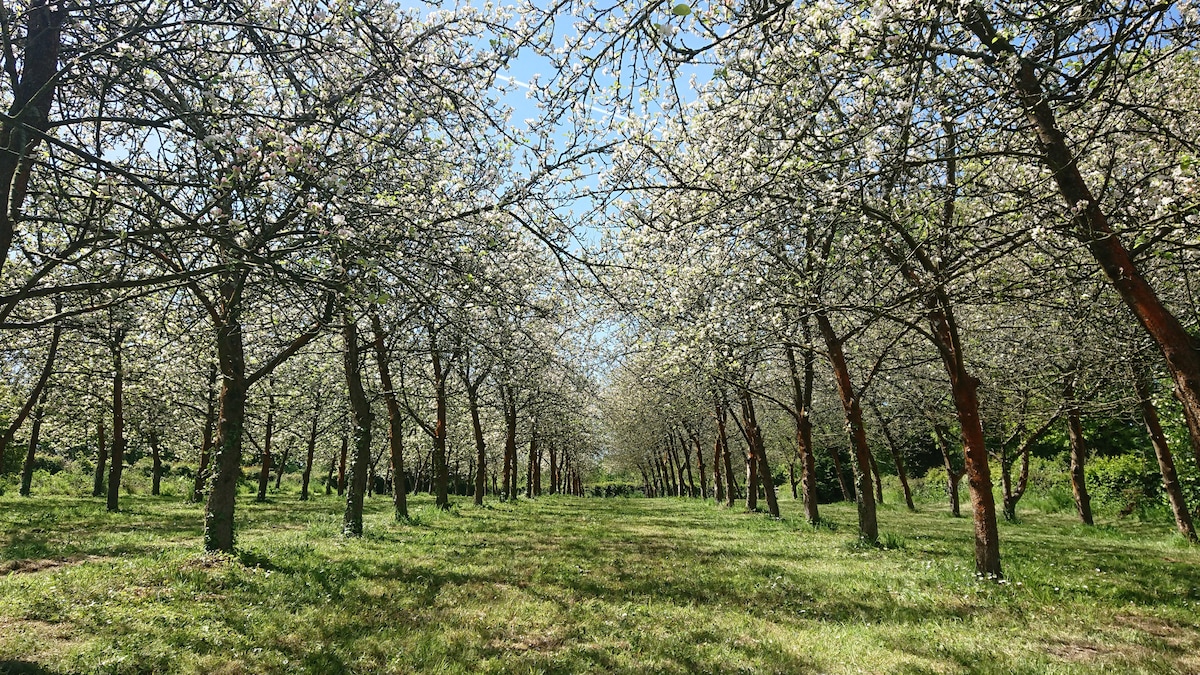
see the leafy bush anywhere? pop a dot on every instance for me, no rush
(1118, 481)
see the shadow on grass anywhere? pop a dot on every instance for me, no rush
(11, 667)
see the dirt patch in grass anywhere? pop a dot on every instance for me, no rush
(527, 643)
(40, 565)
(1180, 640)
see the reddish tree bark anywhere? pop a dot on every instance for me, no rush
(1166, 461)
(1090, 224)
(868, 526)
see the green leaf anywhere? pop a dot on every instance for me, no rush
(682, 9)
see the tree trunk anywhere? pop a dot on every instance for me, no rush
(510, 443)
(752, 475)
(897, 459)
(1083, 501)
(30, 458)
(333, 462)
(759, 451)
(360, 407)
(700, 465)
(341, 484)
(440, 470)
(554, 469)
(685, 448)
(953, 476)
(1166, 461)
(156, 468)
(878, 480)
(98, 476)
(35, 395)
(868, 527)
(726, 460)
(718, 471)
(264, 474)
(309, 451)
(282, 466)
(481, 446)
(206, 441)
(395, 422)
(32, 98)
(802, 403)
(1090, 224)
(117, 461)
(222, 494)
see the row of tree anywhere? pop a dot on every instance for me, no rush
(223, 210)
(980, 217)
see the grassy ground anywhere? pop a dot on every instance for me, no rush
(576, 585)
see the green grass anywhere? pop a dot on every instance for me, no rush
(578, 585)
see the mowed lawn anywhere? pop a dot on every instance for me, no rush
(582, 585)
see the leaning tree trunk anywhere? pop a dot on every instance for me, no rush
(117, 461)
(868, 525)
(481, 447)
(30, 452)
(360, 407)
(760, 453)
(395, 423)
(953, 476)
(1090, 224)
(1166, 461)
(35, 395)
(281, 467)
(726, 460)
(897, 459)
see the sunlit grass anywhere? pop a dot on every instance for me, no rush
(573, 585)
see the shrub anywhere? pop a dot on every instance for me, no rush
(1118, 481)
